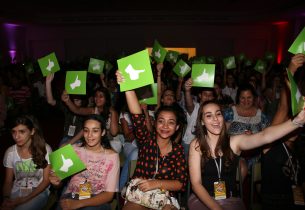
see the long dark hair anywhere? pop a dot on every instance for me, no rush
(38, 145)
(223, 143)
(104, 141)
(107, 105)
(180, 117)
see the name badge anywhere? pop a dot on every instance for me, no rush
(71, 130)
(85, 191)
(25, 191)
(298, 195)
(220, 190)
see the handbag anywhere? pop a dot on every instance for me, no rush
(154, 199)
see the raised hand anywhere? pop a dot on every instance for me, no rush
(296, 62)
(119, 77)
(50, 78)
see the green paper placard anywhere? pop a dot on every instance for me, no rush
(76, 82)
(48, 64)
(172, 56)
(158, 52)
(248, 62)
(136, 71)
(229, 62)
(297, 100)
(203, 75)
(154, 99)
(241, 57)
(298, 46)
(29, 68)
(199, 60)
(210, 59)
(65, 162)
(269, 56)
(260, 66)
(181, 68)
(96, 66)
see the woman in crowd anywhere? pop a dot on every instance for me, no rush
(214, 156)
(159, 156)
(73, 122)
(102, 107)
(245, 117)
(102, 170)
(26, 167)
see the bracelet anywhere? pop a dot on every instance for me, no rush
(297, 123)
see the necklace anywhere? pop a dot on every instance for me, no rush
(166, 150)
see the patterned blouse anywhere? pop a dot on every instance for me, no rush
(170, 167)
(240, 124)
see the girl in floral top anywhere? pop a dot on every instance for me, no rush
(157, 149)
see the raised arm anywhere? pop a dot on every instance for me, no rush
(195, 177)
(49, 94)
(131, 97)
(114, 125)
(266, 136)
(77, 110)
(160, 66)
(189, 104)
(296, 61)
(179, 89)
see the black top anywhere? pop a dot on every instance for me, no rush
(228, 174)
(70, 118)
(277, 172)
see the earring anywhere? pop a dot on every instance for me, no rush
(202, 123)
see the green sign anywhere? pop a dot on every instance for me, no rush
(136, 71)
(76, 82)
(48, 64)
(260, 66)
(65, 162)
(158, 52)
(181, 68)
(96, 66)
(172, 56)
(298, 46)
(203, 75)
(297, 100)
(229, 62)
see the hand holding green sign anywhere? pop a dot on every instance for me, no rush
(65, 162)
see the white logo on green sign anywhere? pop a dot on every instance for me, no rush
(158, 54)
(76, 83)
(66, 164)
(50, 65)
(133, 73)
(203, 77)
(183, 69)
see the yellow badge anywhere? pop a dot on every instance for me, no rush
(298, 195)
(85, 190)
(220, 190)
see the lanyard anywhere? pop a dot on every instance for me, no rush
(157, 163)
(218, 167)
(290, 161)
